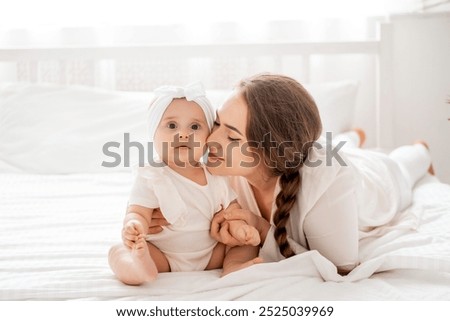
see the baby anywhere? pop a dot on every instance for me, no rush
(177, 183)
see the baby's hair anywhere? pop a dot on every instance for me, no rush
(281, 107)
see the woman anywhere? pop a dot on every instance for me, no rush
(299, 191)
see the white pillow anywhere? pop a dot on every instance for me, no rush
(336, 103)
(53, 129)
(59, 129)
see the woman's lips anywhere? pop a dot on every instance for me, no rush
(212, 156)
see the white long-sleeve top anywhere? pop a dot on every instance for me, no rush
(336, 203)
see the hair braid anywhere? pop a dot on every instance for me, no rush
(285, 200)
(284, 120)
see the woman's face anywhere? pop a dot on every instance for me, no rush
(229, 151)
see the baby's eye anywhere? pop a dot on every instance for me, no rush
(172, 125)
(195, 126)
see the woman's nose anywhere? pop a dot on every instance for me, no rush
(211, 136)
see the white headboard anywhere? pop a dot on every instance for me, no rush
(83, 65)
(218, 66)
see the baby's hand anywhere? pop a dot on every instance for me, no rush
(131, 232)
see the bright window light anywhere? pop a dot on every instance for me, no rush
(32, 13)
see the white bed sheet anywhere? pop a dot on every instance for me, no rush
(56, 231)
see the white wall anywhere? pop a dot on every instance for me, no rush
(421, 84)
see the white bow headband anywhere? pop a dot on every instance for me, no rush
(164, 96)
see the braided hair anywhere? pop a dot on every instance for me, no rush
(284, 121)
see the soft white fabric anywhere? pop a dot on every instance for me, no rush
(164, 96)
(54, 129)
(339, 204)
(58, 130)
(188, 206)
(56, 230)
(336, 102)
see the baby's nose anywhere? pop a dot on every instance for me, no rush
(184, 134)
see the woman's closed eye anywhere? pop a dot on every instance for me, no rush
(217, 124)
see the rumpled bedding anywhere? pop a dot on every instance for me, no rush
(56, 231)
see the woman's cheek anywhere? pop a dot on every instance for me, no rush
(248, 157)
(242, 161)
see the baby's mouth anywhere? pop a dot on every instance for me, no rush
(178, 145)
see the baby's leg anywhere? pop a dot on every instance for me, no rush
(240, 257)
(138, 265)
(244, 233)
(217, 256)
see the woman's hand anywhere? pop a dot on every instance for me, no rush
(220, 225)
(157, 222)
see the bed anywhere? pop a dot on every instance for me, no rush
(61, 210)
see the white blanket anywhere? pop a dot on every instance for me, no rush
(56, 231)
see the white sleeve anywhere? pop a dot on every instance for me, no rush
(142, 193)
(331, 226)
(228, 195)
(270, 251)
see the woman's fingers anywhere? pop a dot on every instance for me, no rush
(158, 222)
(157, 214)
(241, 214)
(216, 223)
(155, 229)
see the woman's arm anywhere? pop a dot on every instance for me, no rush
(331, 226)
(157, 222)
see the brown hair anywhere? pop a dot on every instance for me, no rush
(284, 121)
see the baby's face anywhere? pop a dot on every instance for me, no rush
(180, 138)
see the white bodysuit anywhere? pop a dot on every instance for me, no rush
(188, 207)
(337, 205)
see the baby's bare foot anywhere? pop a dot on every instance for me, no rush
(248, 235)
(146, 269)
